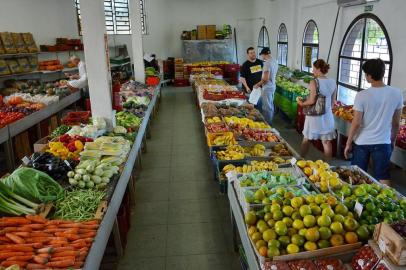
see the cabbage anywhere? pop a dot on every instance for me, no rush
(34, 185)
(120, 130)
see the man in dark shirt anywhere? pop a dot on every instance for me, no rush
(251, 71)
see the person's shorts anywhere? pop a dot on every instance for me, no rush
(380, 154)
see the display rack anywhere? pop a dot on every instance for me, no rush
(10, 55)
(4, 134)
(96, 252)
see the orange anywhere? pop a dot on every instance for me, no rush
(351, 237)
(309, 246)
(260, 243)
(337, 240)
(263, 251)
(252, 230)
(312, 234)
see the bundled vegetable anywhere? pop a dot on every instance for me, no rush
(92, 173)
(128, 120)
(34, 185)
(78, 205)
(13, 204)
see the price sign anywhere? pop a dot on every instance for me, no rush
(68, 164)
(231, 176)
(358, 208)
(382, 245)
(293, 161)
(25, 160)
(308, 56)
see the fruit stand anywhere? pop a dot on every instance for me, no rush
(289, 212)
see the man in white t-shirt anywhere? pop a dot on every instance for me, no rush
(268, 84)
(77, 81)
(377, 113)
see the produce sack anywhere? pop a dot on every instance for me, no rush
(34, 185)
(19, 43)
(13, 66)
(24, 64)
(8, 43)
(29, 42)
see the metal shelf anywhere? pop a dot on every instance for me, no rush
(68, 51)
(21, 74)
(96, 252)
(10, 55)
(237, 216)
(36, 117)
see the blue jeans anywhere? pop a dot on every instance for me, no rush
(267, 104)
(380, 154)
(259, 105)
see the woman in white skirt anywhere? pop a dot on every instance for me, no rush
(320, 127)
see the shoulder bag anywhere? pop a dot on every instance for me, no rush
(318, 108)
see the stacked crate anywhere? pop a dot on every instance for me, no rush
(179, 69)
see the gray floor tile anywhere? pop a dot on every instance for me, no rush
(155, 175)
(195, 238)
(154, 263)
(154, 161)
(147, 241)
(152, 191)
(186, 172)
(199, 262)
(193, 211)
(150, 213)
(191, 190)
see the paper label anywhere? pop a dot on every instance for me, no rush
(301, 181)
(68, 164)
(382, 245)
(293, 161)
(25, 160)
(231, 176)
(358, 208)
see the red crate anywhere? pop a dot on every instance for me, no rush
(231, 68)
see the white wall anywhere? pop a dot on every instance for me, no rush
(296, 13)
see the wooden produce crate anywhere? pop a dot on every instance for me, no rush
(391, 243)
(41, 144)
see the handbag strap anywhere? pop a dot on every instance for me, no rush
(317, 86)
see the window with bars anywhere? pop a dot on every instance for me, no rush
(263, 39)
(283, 45)
(366, 38)
(117, 16)
(310, 47)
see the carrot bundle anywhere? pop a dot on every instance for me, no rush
(33, 242)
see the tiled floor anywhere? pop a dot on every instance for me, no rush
(180, 221)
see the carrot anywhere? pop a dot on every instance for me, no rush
(71, 231)
(91, 222)
(39, 239)
(53, 230)
(44, 255)
(40, 234)
(23, 234)
(22, 258)
(5, 255)
(10, 263)
(34, 226)
(4, 239)
(61, 249)
(89, 234)
(78, 225)
(58, 243)
(36, 218)
(15, 238)
(60, 264)
(21, 248)
(83, 253)
(83, 231)
(56, 259)
(78, 265)
(71, 237)
(81, 258)
(45, 250)
(33, 266)
(13, 221)
(40, 260)
(80, 245)
(65, 253)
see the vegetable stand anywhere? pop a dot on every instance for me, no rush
(15, 128)
(109, 222)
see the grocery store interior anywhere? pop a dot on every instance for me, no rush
(258, 135)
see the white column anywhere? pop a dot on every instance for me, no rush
(136, 39)
(97, 65)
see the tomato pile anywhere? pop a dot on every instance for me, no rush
(9, 117)
(329, 264)
(365, 259)
(302, 265)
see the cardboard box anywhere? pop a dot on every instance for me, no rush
(201, 32)
(210, 32)
(41, 144)
(390, 243)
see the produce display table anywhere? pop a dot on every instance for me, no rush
(237, 219)
(399, 157)
(109, 221)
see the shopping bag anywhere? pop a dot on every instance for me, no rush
(255, 96)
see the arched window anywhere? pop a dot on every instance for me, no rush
(310, 51)
(283, 45)
(263, 39)
(366, 38)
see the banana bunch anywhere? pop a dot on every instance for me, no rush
(228, 168)
(213, 120)
(226, 139)
(254, 166)
(257, 150)
(280, 160)
(232, 152)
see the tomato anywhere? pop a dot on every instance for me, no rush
(329, 264)
(276, 265)
(302, 265)
(365, 259)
